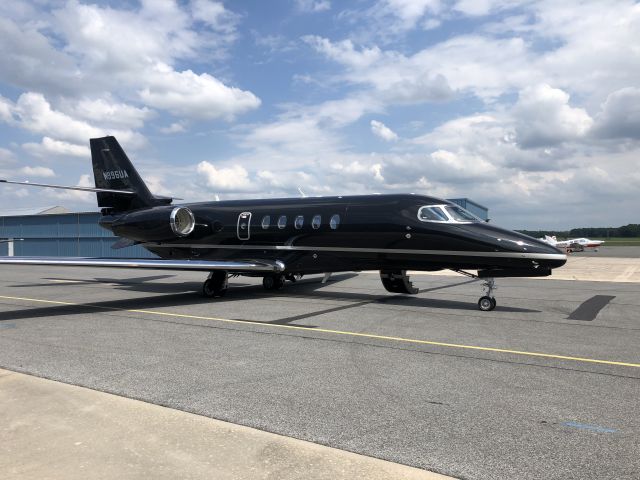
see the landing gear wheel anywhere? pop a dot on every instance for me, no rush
(273, 282)
(268, 282)
(486, 304)
(216, 285)
(397, 281)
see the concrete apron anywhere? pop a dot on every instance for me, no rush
(51, 430)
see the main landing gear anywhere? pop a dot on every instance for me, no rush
(273, 282)
(277, 281)
(397, 281)
(216, 284)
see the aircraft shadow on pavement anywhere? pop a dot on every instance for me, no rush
(399, 300)
(135, 284)
(185, 298)
(310, 287)
(108, 306)
(149, 285)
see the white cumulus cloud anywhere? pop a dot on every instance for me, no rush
(234, 178)
(48, 147)
(44, 172)
(545, 118)
(379, 129)
(190, 95)
(620, 116)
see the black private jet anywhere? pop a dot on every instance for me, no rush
(283, 239)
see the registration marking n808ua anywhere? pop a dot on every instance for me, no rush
(341, 332)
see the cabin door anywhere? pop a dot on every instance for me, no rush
(244, 226)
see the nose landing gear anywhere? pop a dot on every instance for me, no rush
(487, 302)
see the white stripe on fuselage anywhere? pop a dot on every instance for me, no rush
(444, 253)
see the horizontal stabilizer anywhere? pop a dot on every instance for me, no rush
(63, 187)
(196, 265)
(169, 199)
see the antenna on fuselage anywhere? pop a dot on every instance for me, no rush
(302, 194)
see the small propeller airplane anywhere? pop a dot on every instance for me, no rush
(573, 244)
(283, 239)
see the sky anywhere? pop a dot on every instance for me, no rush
(531, 108)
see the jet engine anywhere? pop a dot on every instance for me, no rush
(182, 221)
(155, 224)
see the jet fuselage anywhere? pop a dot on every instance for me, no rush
(337, 234)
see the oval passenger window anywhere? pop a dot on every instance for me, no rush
(266, 221)
(316, 221)
(334, 222)
(282, 221)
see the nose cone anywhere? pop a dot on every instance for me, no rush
(554, 257)
(546, 255)
(504, 240)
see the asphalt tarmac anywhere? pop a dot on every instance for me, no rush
(545, 386)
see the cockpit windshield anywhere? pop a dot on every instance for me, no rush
(459, 214)
(446, 213)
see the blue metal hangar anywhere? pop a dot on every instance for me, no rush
(54, 231)
(50, 233)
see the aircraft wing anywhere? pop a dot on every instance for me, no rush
(196, 265)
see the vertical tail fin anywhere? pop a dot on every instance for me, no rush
(112, 169)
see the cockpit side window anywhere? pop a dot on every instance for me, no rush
(432, 213)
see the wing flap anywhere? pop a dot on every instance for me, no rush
(195, 265)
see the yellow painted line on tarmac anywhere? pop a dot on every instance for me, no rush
(341, 332)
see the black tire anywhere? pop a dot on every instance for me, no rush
(273, 282)
(486, 304)
(208, 289)
(268, 282)
(279, 282)
(216, 285)
(397, 281)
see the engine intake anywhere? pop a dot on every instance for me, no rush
(182, 221)
(155, 224)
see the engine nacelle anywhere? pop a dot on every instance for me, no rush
(155, 224)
